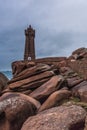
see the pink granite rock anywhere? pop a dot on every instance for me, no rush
(55, 99)
(57, 118)
(31, 79)
(14, 110)
(80, 91)
(47, 88)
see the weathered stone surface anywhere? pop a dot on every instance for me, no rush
(85, 124)
(64, 69)
(32, 100)
(80, 67)
(6, 90)
(80, 91)
(32, 85)
(22, 96)
(72, 78)
(28, 72)
(55, 99)
(14, 110)
(73, 81)
(27, 92)
(31, 79)
(78, 54)
(78, 62)
(19, 66)
(67, 72)
(78, 86)
(62, 63)
(58, 118)
(47, 88)
(3, 81)
(79, 51)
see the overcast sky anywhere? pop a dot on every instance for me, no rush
(61, 27)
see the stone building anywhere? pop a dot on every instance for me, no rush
(29, 53)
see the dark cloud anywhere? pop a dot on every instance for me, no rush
(61, 27)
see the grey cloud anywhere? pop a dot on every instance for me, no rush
(60, 44)
(61, 27)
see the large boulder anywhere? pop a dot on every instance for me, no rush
(58, 118)
(47, 88)
(80, 91)
(71, 82)
(15, 108)
(55, 99)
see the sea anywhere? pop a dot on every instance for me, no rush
(7, 73)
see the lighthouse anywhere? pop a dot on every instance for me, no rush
(29, 52)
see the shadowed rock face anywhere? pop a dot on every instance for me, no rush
(58, 118)
(14, 110)
(80, 91)
(85, 124)
(55, 99)
(3, 82)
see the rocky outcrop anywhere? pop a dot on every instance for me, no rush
(28, 72)
(19, 66)
(41, 81)
(53, 88)
(58, 118)
(27, 81)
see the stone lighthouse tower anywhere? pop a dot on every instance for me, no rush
(29, 53)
